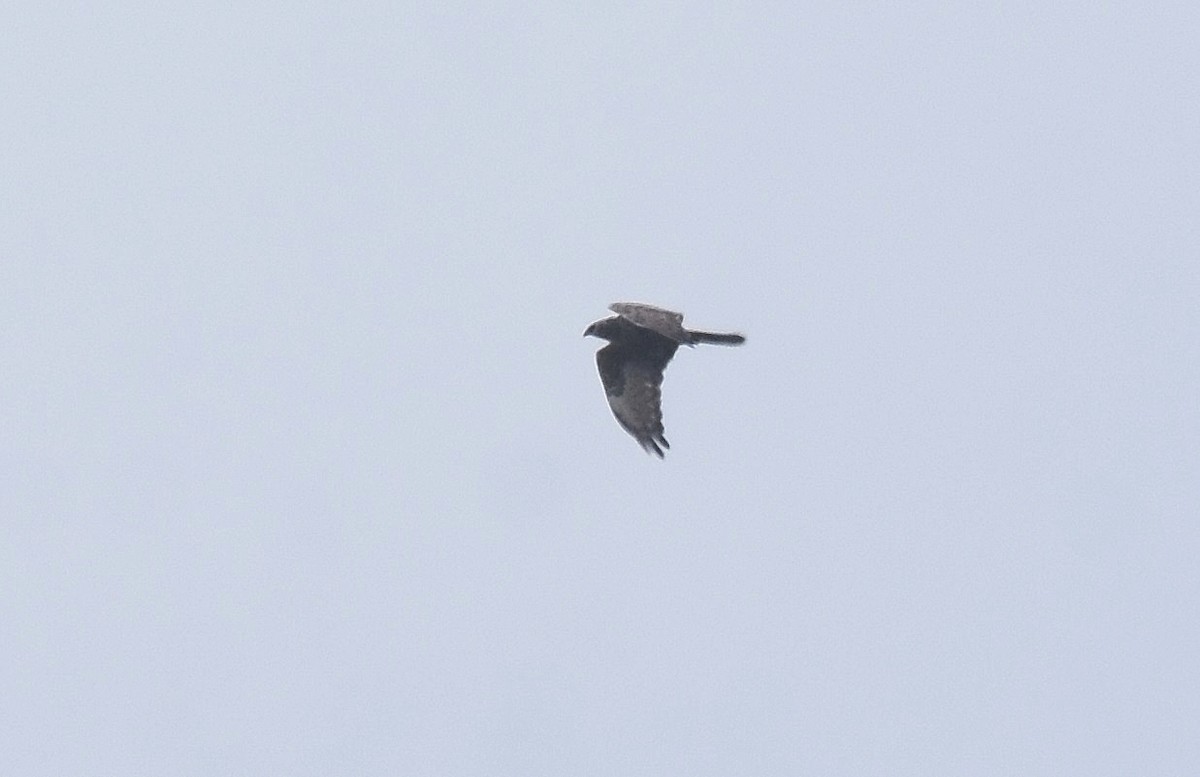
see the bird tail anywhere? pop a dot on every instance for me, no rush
(716, 338)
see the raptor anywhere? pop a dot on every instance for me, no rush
(642, 339)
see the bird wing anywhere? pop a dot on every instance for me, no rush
(633, 388)
(665, 322)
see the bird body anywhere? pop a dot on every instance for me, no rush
(642, 340)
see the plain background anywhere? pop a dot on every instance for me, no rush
(306, 469)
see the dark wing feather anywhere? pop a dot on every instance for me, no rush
(633, 387)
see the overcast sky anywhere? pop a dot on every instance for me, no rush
(305, 468)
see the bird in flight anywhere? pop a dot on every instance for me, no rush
(641, 341)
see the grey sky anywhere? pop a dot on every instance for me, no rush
(306, 468)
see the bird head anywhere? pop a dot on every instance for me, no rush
(605, 328)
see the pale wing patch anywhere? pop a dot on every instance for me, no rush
(667, 323)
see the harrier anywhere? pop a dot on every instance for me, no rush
(641, 341)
